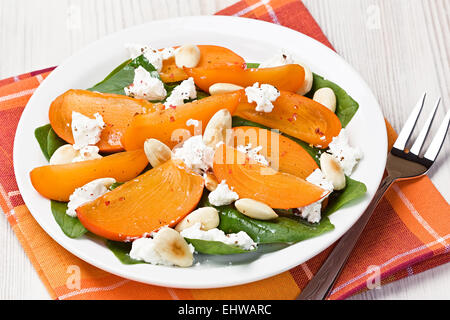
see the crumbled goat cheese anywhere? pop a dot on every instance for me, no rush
(155, 57)
(253, 153)
(168, 53)
(263, 95)
(87, 153)
(223, 195)
(87, 193)
(86, 131)
(318, 178)
(195, 154)
(240, 239)
(184, 91)
(281, 58)
(143, 249)
(346, 155)
(145, 86)
(312, 212)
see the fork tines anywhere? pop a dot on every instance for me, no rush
(438, 141)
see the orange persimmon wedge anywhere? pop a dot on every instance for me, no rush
(297, 116)
(256, 181)
(117, 112)
(160, 197)
(289, 77)
(58, 182)
(283, 154)
(210, 57)
(169, 125)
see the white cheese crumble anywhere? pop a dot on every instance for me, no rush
(223, 195)
(145, 86)
(155, 57)
(184, 91)
(143, 249)
(240, 239)
(263, 95)
(346, 155)
(318, 178)
(87, 153)
(87, 193)
(168, 53)
(312, 212)
(253, 153)
(86, 131)
(281, 58)
(195, 154)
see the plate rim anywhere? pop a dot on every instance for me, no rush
(166, 282)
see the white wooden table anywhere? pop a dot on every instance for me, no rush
(400, 47)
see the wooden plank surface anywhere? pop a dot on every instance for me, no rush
(401, 48)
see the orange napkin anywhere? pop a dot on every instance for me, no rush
(408, 234)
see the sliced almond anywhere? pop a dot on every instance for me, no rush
(64, 154)
(326, 97)
(255, 209)
(171, 246)
(221, 88)
(187, 56)
(211, 182)
(157, 152)
(307, 85)
(332, 171)
(218, 129)
(208, 217)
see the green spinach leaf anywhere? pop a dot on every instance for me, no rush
(353, 190)
(48, 140)
(53, 142)
(115, 185)
(214, 247)
(280, 230)
(71, 226)
(41, 135)
(122, 251)
(251, 65)
(117, 80)
(123, 76)
(346, 107)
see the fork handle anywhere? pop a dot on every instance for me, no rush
(321, 284)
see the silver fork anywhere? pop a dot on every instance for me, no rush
(401, 165)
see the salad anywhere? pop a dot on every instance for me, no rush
(192, 150)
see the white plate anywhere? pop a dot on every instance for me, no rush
(255, 41)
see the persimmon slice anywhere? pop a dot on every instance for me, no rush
(58, 182)
(284, 154)
(160, 197)
(289, 77)
(169, 125)
(297, 116)
(117, 112)
(210, 57)
(256, 181)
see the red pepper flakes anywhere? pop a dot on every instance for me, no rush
(293, 118)
(107, 203)
(319, 132)
(172, 118)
